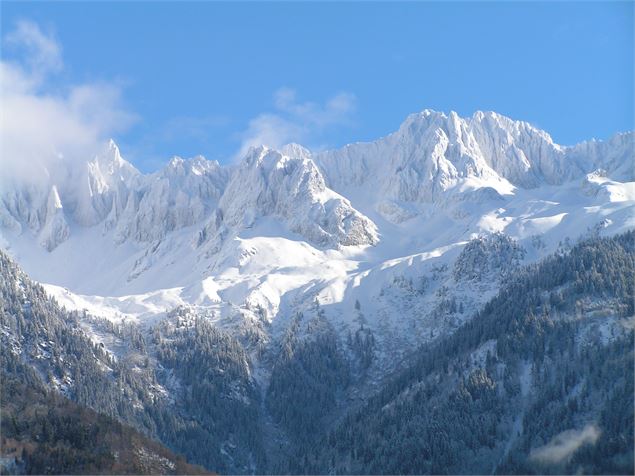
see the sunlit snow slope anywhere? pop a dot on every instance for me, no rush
(288, 231)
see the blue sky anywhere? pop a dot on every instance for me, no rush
(213, 78)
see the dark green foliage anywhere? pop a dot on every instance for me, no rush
(43, 343)
(48, 434)
(496, 253)
(216, 392)
(362, 343)
(306, 379)
(37, 330)
(548, 356)
(598, 385)
(546, 372)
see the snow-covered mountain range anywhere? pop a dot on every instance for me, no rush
(289, 231)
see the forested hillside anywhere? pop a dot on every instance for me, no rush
(46, 433)
(185, 384)
(540, 381)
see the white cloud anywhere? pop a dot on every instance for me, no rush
(564, 445)
(41, 52)
(38, 127)
(295, 121)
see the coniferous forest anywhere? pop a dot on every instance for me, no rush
(538, 381)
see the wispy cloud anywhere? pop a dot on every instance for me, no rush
(564, 445)
(195, 127)
(297, 121)
(41, 52)
(40, 127)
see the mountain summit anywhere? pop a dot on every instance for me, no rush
(433, 153)
(281, 291)
(429, 159)
(433, 184)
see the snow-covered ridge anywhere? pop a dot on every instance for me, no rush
(284, 221)
(432, 154)
(289, 232)
(112, 194)
(270, 183)
(431, 158)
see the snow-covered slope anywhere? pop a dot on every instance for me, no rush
(287, 231)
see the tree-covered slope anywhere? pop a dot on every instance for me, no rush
(185, 383)
(46, 433)
(540, 381)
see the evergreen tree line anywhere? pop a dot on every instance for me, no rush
(213, 405)
(547, 374)
(547, 357)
